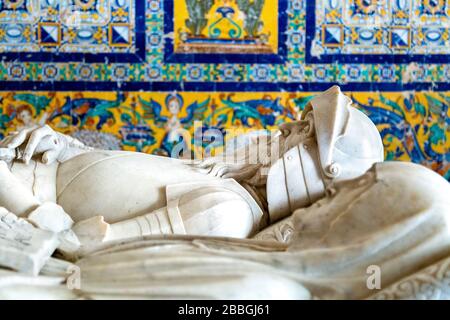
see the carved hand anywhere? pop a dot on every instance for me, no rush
(33, 141)
(7, 155)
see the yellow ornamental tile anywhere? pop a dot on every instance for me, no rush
(27, 33)
(120, 13)
(333, 15)
(420, 37)
(52, 11)
(99, 35)
(379, 35)
(354, 35)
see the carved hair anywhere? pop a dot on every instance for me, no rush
(245, 164)
(74, 142)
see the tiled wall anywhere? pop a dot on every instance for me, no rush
(129, 73)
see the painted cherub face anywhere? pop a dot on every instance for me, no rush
(25, 116)
(174, 107)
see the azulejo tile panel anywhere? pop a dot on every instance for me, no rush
(415, 30)
(289, 45)
(97, 68)
(226, 31)
(414, 126)
(47, 30)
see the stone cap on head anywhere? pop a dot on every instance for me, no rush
(336, 119)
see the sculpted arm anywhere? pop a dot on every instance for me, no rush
(17, 199)
(53, 146)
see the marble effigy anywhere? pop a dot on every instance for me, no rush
(318, 215)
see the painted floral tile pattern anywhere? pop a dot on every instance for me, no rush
(414, 126)
(141, 74)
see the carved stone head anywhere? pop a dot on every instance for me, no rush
(338, 143)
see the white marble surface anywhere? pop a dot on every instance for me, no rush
(321, 212)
